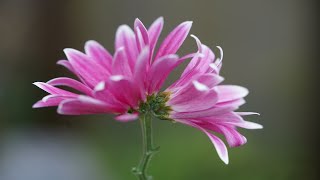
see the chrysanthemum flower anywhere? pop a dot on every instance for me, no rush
(128, 83)
(197, 100)
(116, 84)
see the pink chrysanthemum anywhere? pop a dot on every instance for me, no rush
(128, 83)
(197, 100)
(116, 84)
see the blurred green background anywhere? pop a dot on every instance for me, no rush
(268, 49)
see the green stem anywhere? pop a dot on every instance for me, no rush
(148, 150)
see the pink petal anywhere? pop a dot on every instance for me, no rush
(199, 114)
(104, 94)
(124, 90)
(210, 79)
(64, 81)
(126, 38)
(142, 37)
(154, 32)
(174, 40)
(50, 100)
(127, 117)
(247, 113)
(246, 125)
(99, 54)
(217, 142)
(200, 64)
(140, 71)
(223, 117)
(120, 64)
(233, 137)
(84, 105)
(234, 103)
(195, 97)
(53, 90)
(66, 64)
(231, 92)
(89, 70)
(160, 70)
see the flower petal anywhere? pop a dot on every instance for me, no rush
(160, 70)
(200, 64)
(84, 105)
(154, 33)
(233, 137)
(217, 142)
(124, 90)
(230, 92)
(247, 125)
(126, 38)
(67, 64)
(142, 36)
(99, 54)
(120, 64)
(140, 71)
(50, 100)
(91, 72)
(174, 40)
(127, 117)
(199, 114)
(64, 81)
(194, 97)
(247, 113)
(53, 90)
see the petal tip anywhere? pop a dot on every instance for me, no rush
(36, 105)
(100, 86)
(38, 84)
(199, 86)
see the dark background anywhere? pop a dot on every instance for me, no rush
(269, 48)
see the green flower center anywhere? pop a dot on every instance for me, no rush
(156, 103)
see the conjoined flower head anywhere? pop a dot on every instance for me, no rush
(129, 81)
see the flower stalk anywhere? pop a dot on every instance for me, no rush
(148, 150)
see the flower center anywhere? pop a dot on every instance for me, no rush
(156, 103)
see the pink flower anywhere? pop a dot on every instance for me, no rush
(116, 84)
(197, 100)
(128, 83)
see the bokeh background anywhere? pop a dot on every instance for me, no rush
(268, 48)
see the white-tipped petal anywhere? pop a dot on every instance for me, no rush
(199, 86)
(100, 86)
(116, 77)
